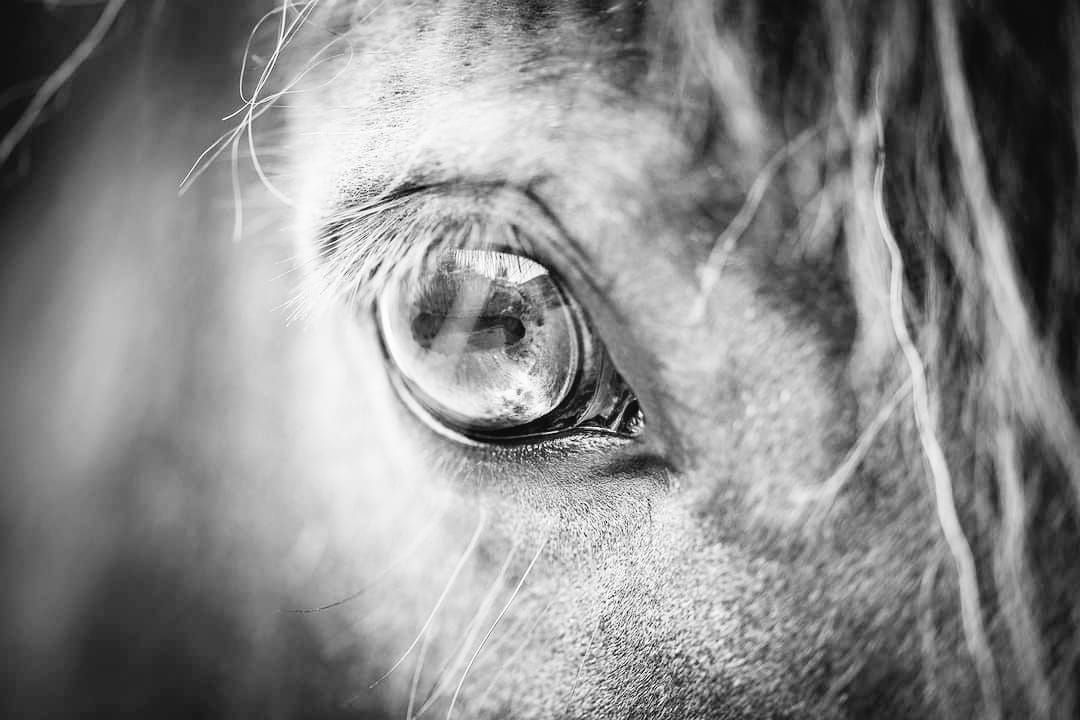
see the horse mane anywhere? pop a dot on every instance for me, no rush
(951, 160)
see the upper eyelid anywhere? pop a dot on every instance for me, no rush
(483, 195)
(360, 243)
(336, 226)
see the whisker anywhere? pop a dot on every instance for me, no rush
(283, 11)
(581, 665)
(252, 108)
(416, 674)
(506, 608)
(442, 597)
(457, 658)
(533, 625)
(394, 562)
(238, 204)
(249, 121)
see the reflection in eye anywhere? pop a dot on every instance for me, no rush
(491, 346)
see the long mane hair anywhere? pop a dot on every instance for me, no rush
(953, 173)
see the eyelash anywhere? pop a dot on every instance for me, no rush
(359, 246)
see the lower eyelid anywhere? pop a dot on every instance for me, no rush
(523, 447)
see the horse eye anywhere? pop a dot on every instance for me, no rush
(491, 346)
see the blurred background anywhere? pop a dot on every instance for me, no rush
(129, 324)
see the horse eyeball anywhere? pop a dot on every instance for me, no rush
(485, 341)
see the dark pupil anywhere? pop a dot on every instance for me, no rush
(459, 311)
(469, 333)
